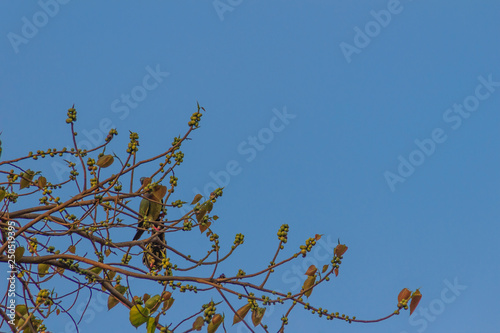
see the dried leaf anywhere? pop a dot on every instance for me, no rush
(241, 313)
(336, 270)
(308, 283)
(205, 226)
(168, 304)
(107, 252)
(72, 249)
(257, 316)
(105, 161)
(311, 270)
(198, 323)
(196, 199)
(215, 323)
(159, 192)
(166, 295)
(41, 182)
(317, 237)
(2, 193)
(415, 299)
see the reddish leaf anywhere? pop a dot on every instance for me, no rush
(257, 316)
(311, 270)
(308, 283)
(340, 250)
(404, 294)
(196, 199)
(415, 299)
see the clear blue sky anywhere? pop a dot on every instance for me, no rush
(391, 142)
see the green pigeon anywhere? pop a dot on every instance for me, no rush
(148, 211)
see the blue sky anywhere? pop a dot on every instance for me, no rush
(387, 134)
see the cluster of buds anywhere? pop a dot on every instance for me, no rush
(283, 233)
(43, 297)
(239, 239)
(33, 245)
(188, 225)
(176, 143)
(112, 132)
(195, 118)
(91, 164)
(179, 157)
(71, 115)
(217, 193)
(177, 203)
(134, 142)
(310, 242)
(209, 311)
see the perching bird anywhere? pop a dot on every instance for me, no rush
(148, 211)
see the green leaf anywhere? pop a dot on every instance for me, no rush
(26, 179)
(153, 303)
(21, 309)
(241, 313)
(151, 326)
(105, 161)
(112, 301)
(196, 199)
(43, 269)
(18, 253)
(72, 249)
(96, 270)
(2, 193)
(325, 268)
(138, 315)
